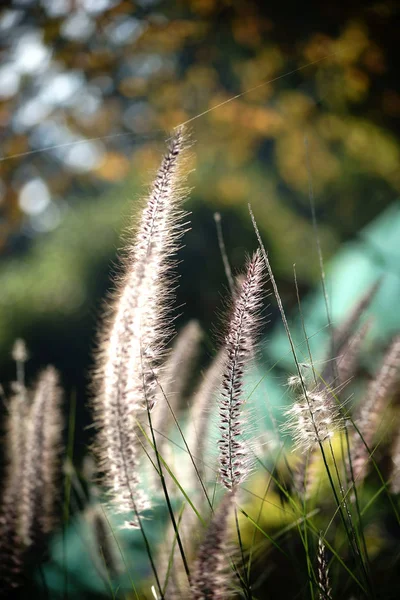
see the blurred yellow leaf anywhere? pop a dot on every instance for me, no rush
(113, 167)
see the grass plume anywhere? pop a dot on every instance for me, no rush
(313, 418)
(370, 410)
(210, 573)
(325, 592)
(42, 458)
(135, 339)
(234, 458)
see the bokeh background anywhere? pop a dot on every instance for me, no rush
(89, 91)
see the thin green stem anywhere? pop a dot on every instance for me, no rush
(247, 589)
(166, 495)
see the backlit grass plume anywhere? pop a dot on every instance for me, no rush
(134, 341)
(314, 417)
(33, 442)
(371, 408)
(10, 545)
(173, 381)
(210, 572)
(347, 341)
(348, 361)
(199, 417)
(234, 458)
(43, 431)
(170, 394)
(325, 592)
(395, 474)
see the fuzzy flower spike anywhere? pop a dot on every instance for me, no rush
(325, 592)
(370, 411)
(210, 579)
(314, 417)
(234, 459)
(43, 446)
(134, 343)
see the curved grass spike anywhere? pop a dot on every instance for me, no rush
(210, 572)
(170, 397)
(370, 411)
(324, 586)
(395, 473)
(176, 373)
(201, 404)
(234, 455)
(43, 432)
(133, 343)
(11, 549)
(104, 545)
(171, 567)
(347, 339)
(33, 451)
(348, 360)
(313, 419)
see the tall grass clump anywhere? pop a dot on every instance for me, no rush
(178, 452)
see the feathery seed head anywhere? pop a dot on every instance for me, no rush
(369, 412)
(175, 374)
(348, 360)
(15, 451)
(294, 382)
(105, 545)
(201, 405)
(209, 578)
(347, 340)
(395, 475)
(135, 340)
(239, 346)
(313, 418)
(32, 444)
(19, 351)
(41, 458)
(325, 592)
